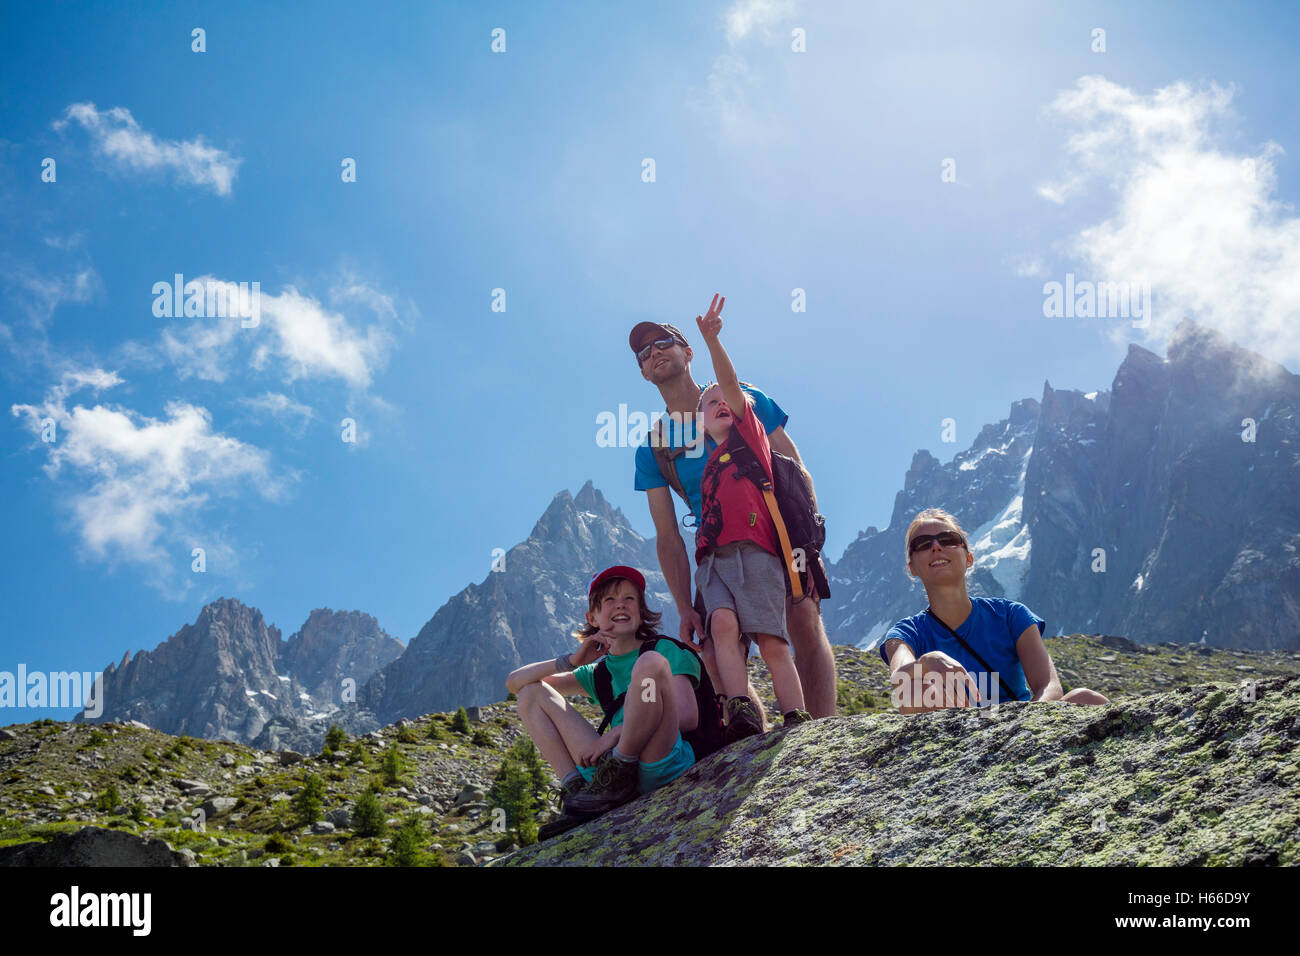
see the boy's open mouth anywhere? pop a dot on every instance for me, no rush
(939, 562)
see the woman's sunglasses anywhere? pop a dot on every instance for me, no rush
(660, 344)
(946, 539)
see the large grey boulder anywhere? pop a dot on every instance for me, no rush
(95, 846)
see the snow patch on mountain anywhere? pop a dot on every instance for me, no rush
(875, 635)
(1002, 545)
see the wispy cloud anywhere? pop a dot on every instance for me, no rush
(1198, 220)
(135, 486)
(730, 97)
(297, 334)
(39, 295)
(117, 136)
(291, 415)
(756, 16)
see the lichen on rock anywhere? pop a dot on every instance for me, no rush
(1195, 776)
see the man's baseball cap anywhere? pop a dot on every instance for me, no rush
(618, 571)
(643, 329)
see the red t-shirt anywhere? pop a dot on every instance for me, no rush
(734, 510)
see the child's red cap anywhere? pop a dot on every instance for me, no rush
(618, 571)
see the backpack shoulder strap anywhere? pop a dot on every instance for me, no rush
(609, 704)
(666, 458)
(758, 476)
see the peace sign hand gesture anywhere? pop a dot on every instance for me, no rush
(711, 322)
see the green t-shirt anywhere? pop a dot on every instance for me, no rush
(680, 661)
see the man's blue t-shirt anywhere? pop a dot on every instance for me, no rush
(992, 629)
(690, 468)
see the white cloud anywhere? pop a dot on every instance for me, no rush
(292, 415)
(1196, 219)
(40, 295)
(117, 136)
(748, 16)
(136, 485)
(305, 338)
(731, 97)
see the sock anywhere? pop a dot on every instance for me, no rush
(619, 755)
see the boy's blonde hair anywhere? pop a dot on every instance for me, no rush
(929, 514)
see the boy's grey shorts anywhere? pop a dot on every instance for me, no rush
(750, 581)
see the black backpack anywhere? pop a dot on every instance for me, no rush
(799, 527)
(707, 735)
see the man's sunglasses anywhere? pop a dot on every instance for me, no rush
(660, 344)
(946, 539)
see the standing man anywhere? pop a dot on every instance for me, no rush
(664, 358)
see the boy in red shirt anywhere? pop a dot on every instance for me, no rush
(739, 569)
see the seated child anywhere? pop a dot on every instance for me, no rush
(740, 573)
(643, 748)
(979, 650)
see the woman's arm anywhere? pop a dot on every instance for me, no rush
(908, 674)
(1040, 672)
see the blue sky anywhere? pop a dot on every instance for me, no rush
(1169, 155)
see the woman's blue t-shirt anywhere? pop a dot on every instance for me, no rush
(992, 629)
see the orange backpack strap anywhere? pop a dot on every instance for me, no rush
(796, 580)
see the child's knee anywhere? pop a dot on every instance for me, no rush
(723, 623)
(772, 648)
(533, 695)
(651, 663)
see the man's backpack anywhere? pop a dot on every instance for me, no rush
(799, 528)
(707, 735)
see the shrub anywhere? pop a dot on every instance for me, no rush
(309, 801)
(107, 800)
(358, 754)
(277, 844)
(519, 789)
(407, 845)
(368, 815)
(481, 738)
(460, 723)
(138, 812)
(407, 735)
(335, 737)
(393, 766)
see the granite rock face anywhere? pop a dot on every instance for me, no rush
(95, 846)
(1197, 776)
(1165, 507)
(229, 676)
(525, 612)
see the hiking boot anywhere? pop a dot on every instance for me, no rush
(613, 784)
(796, 717)
(561, 824)
(566, 820)
(565, 792)
(742, 720)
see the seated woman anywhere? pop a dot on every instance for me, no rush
(964, 651)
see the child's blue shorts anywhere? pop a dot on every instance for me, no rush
(654, 775)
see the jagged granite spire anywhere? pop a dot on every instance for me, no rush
(524, 612)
